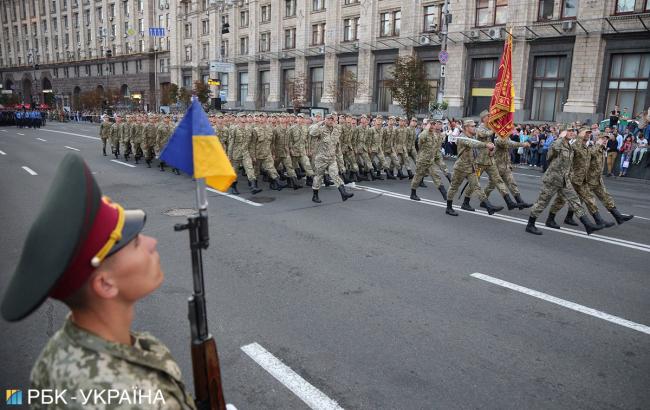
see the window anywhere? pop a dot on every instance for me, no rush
(205, 27)
(126, 8)
(487, 16)
(318, 5)
(318, 34)
(204, 51)
(624, 6)
(548, 87)
(288, 76)
(482, 13)
(384, 77)
(432, 75)
(348, 85)
(266, 13)
(265, 42)
(141, 26)
(243, 46)
(545, 10)
(501, 12)
(431, 18)
(65, 22)
(289, 8)
(316, 85)
(87, 69)
(188, 53)
(188, 30)
(163, 65)
(224, 19)
(111, 10)
(569, 8)
(243, 88)
(243, 19)
(100, 16)
(125, 67)
(224, 48)
(265, 87)
(351, 29)
(484, 77)
(628, 82)
(347, 2)
(290, 38)
(390, 24)
(187, 82)
(223, 90)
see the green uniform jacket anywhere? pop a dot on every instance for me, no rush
(560, 161)
(466, 161)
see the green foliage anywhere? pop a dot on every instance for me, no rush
(409, 86)
(184, 96)
(202, 91)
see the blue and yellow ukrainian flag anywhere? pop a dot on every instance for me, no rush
(195, 149)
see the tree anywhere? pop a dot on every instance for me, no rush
(184, 96)
(297, 91)
(90, 100)
(345, 91)
(169, 94)
(202, 91)
(409, 86)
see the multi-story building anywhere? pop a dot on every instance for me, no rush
(572, 58)
(68, 47)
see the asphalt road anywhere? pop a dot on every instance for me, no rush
(371, 301)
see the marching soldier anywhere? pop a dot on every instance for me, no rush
(402, 148)
(388, 149)
(263, 154)
(425, 164)
(239, 153)
(297, 140)
(104, 132)
(137, 137)
(127, 135)
(115, 136)
(149, 140)
(282, 154)
(326, 136)
(465, 169)
(363, 141)
(375, 148)
(557, 180)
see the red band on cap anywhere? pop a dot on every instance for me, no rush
(80, 267)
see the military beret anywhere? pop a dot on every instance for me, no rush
(301, 115)
(484, 113)
(263, 114)
(392, 117)
(75, 230)
(403, 118)
(379, 117)
(468, 123)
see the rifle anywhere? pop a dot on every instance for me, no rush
(205, 360)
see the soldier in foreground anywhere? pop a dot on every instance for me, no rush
(99, 265)
(104, 132)
(425, 164)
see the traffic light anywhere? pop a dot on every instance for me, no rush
(225, 28)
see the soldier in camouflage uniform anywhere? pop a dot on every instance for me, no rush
(126, 136)
(298, 133)
(115, 136)
(402, 148)
(388, 149)
(485, 162)
(115, 266)
(425, 164)
(137, 137)
(281, 150)
(263, 153)
(362, 143)
(105, 132)
(503, 145)
(410, 139)
(326, 136)
(239, 153)
(556, 180)
(149, 140)
(465, 168)
(375, 148)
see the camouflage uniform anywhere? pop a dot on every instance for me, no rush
(425, 161)
(401, 148)
(126, 138)
(263, 155)
(485, 161)
(339, 149)
(595, 176)
(375, 148)
(297, 140)
(465, 167)
(502, 148)
(325, 141)
(75, 359)
(556, 179)
(438, 159)
(115, 138)
(363, 141)
(579, 168)
(104, 133)
(388, 142)
(239, 151)
(282, 155)
(410, 144)
(149, 141)
(137, 137)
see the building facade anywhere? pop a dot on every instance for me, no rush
(62, 49)
(572, 59)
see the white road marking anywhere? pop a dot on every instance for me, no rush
(41, 139)
(641, 217)
(565, 303)
(20, 133)
(244, 200)
(72, 133)
(74, 149)
(566, 231)
(4, 130)
(30, 171)
(122, 163)
(313, 397)
(526, 175)
(2, 153)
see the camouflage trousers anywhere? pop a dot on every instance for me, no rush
(495, 179)
(350, 161)
(303, 161)
(115, 143)
(322, 167)
(584, 194)
(506, 176)
(364, 160)
(440, 162)
(287, 164)
(413, 154)
(422, 169)
(473, 186)
(547, 193)
(404, 160)
(340, 162)
(266, 164)
(379, 160)
(392, 160)
(247, 163)
(148, 148)
(601, 193)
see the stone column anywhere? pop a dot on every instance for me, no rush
(273, 103)
(253, 86)
(455, 80)
(363, 101)
(585, 73)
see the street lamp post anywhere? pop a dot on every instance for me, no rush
(443, 47)
(32, 58)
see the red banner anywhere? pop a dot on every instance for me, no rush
(502, 105)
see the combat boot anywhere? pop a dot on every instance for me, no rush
(400, 174)
(450, 209)
(448, 176)
(466, 206)
(295, 183)
(126, 156)
(600, 221)
(520, 202)
(354, 177)
(233, 188)
(148, 162)
(509, 202)
(414, 196)
(162, 166)
(550, 221)
(422, 184)
(314, 197)
(569, 218)
(620, 218)
(344, 194)
(254, 188)
(309, 181)
(389, 174)
(327, 180)
(277, 185)
(299, 173)
(344, 177)
(360, 177)
(489, 207)
(410, 173)
(531, 228)
(589, 227)
(104, 151)
(443, 191)
(378, 176)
